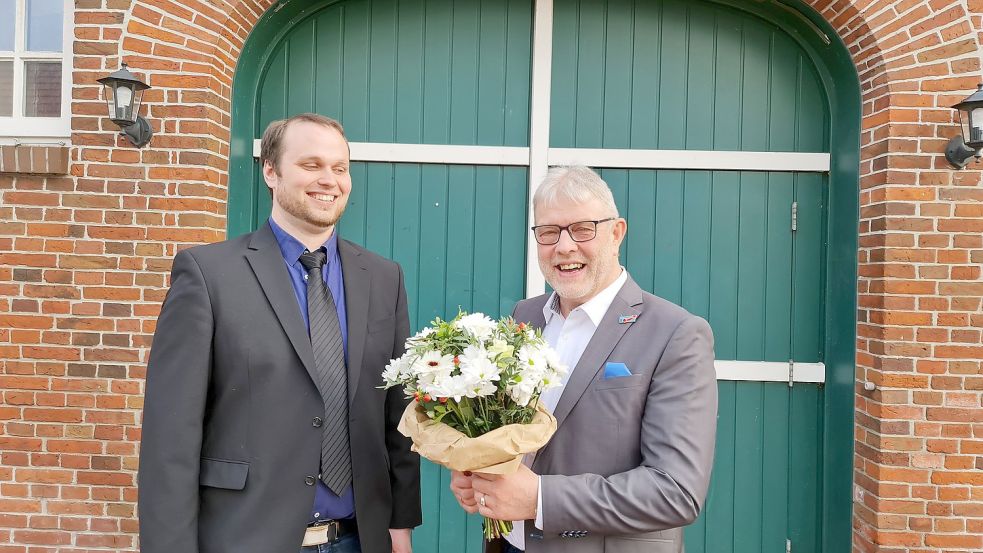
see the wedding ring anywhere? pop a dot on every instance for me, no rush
(481, 501)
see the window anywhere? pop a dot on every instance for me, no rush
(35, 68)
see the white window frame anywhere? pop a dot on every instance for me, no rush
(18, 128)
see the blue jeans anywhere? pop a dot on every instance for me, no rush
(509, 548)
(347, 544)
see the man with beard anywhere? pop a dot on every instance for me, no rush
(264, 427)
(629, 464)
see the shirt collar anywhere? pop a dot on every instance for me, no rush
(595, 308)
(291, 248)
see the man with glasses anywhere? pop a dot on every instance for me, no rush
(630, 462)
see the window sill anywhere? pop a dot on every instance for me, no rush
(34, 159)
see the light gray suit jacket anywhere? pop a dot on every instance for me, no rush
(630, 462)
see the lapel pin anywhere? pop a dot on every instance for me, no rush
(625, 319)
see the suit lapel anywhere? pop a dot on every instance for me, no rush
(536, 319)
(266, 261)
(357, 286)
(605, 338)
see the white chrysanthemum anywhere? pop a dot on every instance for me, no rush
(476, 324)
(532, 359)
(478, 361)
(555, 363)
(433, 361)
(398, 370)
(522, 391)
(550, 379)
(432, 366)
(419, 337)
(483, 388)
(472, 352)
(446, 385)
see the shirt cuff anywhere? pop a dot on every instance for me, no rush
(539, 504)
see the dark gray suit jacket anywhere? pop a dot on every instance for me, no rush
(228, 440)
(630, 462)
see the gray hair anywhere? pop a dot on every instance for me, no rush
(577, 184)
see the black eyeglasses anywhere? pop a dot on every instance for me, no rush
(581, 231)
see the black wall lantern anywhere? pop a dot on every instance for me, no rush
(124, 94)
(969, 142)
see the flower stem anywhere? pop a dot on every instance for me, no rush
(496, 528)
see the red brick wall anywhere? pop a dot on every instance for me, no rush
(919, 436)
(84, 262)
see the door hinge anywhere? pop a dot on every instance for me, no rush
(791, 372)
(795, 216)
(788, 546)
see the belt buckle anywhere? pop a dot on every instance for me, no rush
(322, 533)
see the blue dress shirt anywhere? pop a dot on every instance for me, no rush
(327, 505)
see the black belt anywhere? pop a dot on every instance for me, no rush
(332, 530)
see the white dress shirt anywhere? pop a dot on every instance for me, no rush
(569, 337)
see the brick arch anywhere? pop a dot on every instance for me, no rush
(914, 58)
(903, 53)
(190, 50)
(187, 51)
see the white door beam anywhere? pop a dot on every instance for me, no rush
(691, 159)
(539, 128)
(767, 371)
(517, 156)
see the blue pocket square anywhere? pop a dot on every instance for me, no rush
(615, 370)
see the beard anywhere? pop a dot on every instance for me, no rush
(570, 290)
(296, 206)
(595, 270)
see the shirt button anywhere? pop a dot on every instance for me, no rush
(317, 422)
(309, 480)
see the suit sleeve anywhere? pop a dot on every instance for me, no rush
(404, 471)
(678, 432)
(174, 406)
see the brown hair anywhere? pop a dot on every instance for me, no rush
(271, 147)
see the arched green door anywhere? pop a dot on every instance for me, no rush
(445, 72)
(713, 126)
(679, 75)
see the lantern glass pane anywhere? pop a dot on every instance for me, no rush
(107, 92)
(124, 102)
(137, 101)
(963, 124)
(6, 88)
(45, 23)
(42, 89)
(7, 10)
(976, 125)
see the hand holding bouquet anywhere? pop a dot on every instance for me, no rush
(476, 385)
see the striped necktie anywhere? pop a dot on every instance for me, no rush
(332, 381)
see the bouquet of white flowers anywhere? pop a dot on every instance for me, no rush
(476, 384)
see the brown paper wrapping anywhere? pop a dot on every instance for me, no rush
(499, 451)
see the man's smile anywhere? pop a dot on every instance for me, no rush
(570, 268)
(326, 198)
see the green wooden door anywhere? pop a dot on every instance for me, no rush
(627, 75)
(435, 72)
(680, 75)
